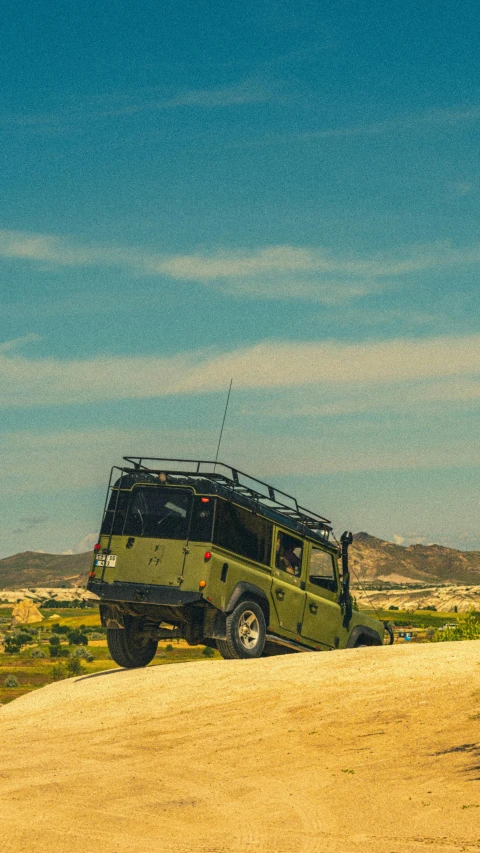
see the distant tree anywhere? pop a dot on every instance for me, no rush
(77, 638)
(54, 646)
(208, 652)
(11, 681)
(74, 666)
(24, 636)
(83, 654)
(12, 645)
(467, 628)
(61, 629)
(393, 607)
(58, 672)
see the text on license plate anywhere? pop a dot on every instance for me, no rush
(111, 560)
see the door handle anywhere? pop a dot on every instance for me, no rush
(313, 607)
(280, 594)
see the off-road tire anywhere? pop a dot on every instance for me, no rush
(245, 632)
(129, 646)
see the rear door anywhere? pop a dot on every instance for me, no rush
(152, 546)
(322, 619)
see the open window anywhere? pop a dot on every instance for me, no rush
(288, 553)
(322, 570)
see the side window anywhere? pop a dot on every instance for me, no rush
(243, 532)
(201, 527)
(288, 553)
(322, 569)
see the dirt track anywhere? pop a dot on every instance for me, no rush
(374, 750)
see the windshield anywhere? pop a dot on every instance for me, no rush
(150, 512)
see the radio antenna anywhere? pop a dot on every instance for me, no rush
(223, 424)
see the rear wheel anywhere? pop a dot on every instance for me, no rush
(245, 632)
(130, 646)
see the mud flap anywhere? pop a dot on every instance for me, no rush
(214, 625)
(112, 616)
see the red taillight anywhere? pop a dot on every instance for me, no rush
(207, 556)
(97, 547)
(205, 500)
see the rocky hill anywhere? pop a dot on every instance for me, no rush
(32, 569)
(373, 562)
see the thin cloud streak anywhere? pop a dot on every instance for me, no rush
(430, 120)
(240, 94)
(281, 271)
(84, 457)
(270, 364)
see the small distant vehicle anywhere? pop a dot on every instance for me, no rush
(199, 550)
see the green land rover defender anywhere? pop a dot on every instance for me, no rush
(200, 550)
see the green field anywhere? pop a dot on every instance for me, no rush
(415, 619)
(32, 673)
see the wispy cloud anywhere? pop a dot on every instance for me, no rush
(460, 189)
(73, 460)
(270, 364)
(273, 272)
(431, 394)
(156, 99)
(18, 342)
(29, 523)
(428, 120)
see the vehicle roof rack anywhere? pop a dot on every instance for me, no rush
(234, 480)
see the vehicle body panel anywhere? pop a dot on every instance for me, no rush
(184, 573)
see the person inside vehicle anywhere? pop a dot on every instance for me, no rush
(287, 557)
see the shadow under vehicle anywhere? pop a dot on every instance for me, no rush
(199, 550)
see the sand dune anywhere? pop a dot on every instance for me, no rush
(374, 750)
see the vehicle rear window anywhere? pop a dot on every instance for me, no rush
(156, 513)
(241, 531)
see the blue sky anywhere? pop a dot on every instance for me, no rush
(282, 193)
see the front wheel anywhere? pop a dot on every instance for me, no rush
(245, 632)
(130, 646)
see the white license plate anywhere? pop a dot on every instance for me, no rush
(111, 560)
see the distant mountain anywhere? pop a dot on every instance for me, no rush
(32, 569)
(372, 560)
(375, 562)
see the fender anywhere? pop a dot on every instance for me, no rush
(239, 592)
(363, 631)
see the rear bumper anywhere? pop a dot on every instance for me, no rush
(142, 593)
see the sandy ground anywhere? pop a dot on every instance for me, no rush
(374, 750)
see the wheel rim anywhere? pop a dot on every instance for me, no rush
(248, 629)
